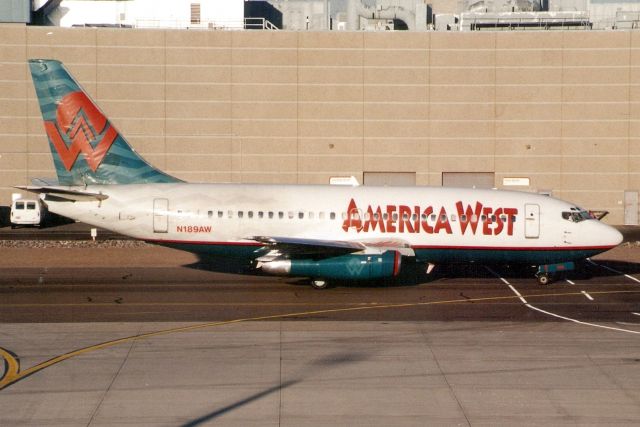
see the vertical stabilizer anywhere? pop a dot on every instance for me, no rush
(86, 148)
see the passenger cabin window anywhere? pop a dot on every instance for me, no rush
(210, 214)
(310, 215)
(290, 213)
(332, 215)
(230, 214)
(260, 214)
(270, 215)
(240, 214)
(220, 214)
(280, 214)
(250, 214)
(321, 215)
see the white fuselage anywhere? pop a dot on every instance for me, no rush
(426, 218)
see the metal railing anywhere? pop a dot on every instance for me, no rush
(246, 24)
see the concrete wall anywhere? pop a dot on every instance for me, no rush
(561, 108)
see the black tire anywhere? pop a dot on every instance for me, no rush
(543, 279)
(319, 284)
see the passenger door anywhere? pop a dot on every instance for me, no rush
(531, 221)
(160, 215)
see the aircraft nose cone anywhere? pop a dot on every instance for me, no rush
(612, 236)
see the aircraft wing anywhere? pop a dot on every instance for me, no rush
(64, 193)
(293, 247)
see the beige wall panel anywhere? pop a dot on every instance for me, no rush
(219, 146)
(339, 165)
(328, 128)
(527, 165)
(14, 73)
(264, 74)
(463, 40)
(596, 93)
(288, 110)
(330, 57)
(137, 126)
(394, 163)
(396, 111)
(544, 181)
(599, 75)
(37, 141)
(610, 57)
(316, 39)
(192, 39)
(461, 128)
(396, 58)
(548, 59)
(261, 56)
(528, 147)
(588, 181)
(528, 40)
(464, 76)
(347, 92)
(198, 74)
(187, 57)
(132, 109)
(329, 110)
(331, 146)
(39, 162)
(595, 146)
(519, 111)
(13, 110)
(198, 162)
(596, 128)
(13, 93)
(67, 54)
(448, 147)
(12, 126)
(284, 92)
(263, 128)
(269, 147)
(124, 74)
(330, 75)
(461, 111)
(196, 92)
(388, 42)
(399, 76)
(529, 76)
(527, 93)
(13, 34)
(197, 110)
(376, 93)
(458, 93)
(137, 91)
(198, 127)
(319, 178)
(518, 129)
(13, 143)
(438, 164)
(596, 111)
(13, 177)
(634, 142)
(11, 53)
(150, 55)
(148, 143)
(264, 163)
(220, 176)
(596, 164)
(595, 39)
(407, 146)
(462, 58)
(289, 177)
(264, 39)
(56, 36)
(385, 128)
(124, 37)
(13, 161)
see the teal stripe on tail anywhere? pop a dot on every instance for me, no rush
(86, 148)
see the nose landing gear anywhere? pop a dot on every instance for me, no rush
(547, 272)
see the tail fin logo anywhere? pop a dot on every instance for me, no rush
(80, 128)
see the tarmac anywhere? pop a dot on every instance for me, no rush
(112, 333)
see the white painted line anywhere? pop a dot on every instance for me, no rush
(582, 323)
(634, 313)
(497, 275)
(587, 295)
(615, 271)
(569, 282)
(515, 291)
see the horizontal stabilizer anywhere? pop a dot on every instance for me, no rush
(65, 193)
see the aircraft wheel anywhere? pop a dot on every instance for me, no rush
(319, 284)
(543, 279)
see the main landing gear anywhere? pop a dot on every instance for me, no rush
(546, 272)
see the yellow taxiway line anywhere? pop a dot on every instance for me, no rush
(13, 373)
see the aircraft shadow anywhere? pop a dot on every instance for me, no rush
(414, 274)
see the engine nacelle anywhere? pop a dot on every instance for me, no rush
(345, 267)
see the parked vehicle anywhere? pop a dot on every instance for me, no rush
(26, 212)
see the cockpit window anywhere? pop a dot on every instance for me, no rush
(576, 215)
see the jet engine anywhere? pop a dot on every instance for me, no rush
(345, 267)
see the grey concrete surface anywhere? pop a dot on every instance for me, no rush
(327, 373)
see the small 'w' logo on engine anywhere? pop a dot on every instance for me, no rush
(80, 128)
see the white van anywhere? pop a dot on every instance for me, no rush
(26, 212)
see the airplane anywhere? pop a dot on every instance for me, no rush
(325, 233)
